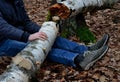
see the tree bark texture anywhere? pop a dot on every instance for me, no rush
(69, 8)
(26, 63)
(69, 26)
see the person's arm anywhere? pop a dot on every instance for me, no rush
(11, 32)
(29, 25)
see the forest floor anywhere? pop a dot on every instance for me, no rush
(101, 22)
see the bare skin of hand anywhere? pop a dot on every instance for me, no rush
(38, 35)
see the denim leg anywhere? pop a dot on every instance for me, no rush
(11, 47)
(62, 56)
(66, 44)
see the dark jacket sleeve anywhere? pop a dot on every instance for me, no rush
(30, 26)
(11, 32)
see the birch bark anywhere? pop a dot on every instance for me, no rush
(28, 61)
(69, 8)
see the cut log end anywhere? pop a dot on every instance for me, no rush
(60, 10)
(22, 62)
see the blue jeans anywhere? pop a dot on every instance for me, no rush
(63, 50)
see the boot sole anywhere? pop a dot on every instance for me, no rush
(91, 63)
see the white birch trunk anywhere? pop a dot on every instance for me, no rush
(73, 7)
(28, 61)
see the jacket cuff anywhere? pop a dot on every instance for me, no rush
(25, 37)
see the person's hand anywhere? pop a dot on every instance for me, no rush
(38, 35)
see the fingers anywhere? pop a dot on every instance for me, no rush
(38, 35)
(42, 36)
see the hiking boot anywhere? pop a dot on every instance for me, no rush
(99, 43)
(90, 57)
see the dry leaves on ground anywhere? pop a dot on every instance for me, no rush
(105, 70)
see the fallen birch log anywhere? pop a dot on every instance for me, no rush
(70, 8)
(26, 63)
